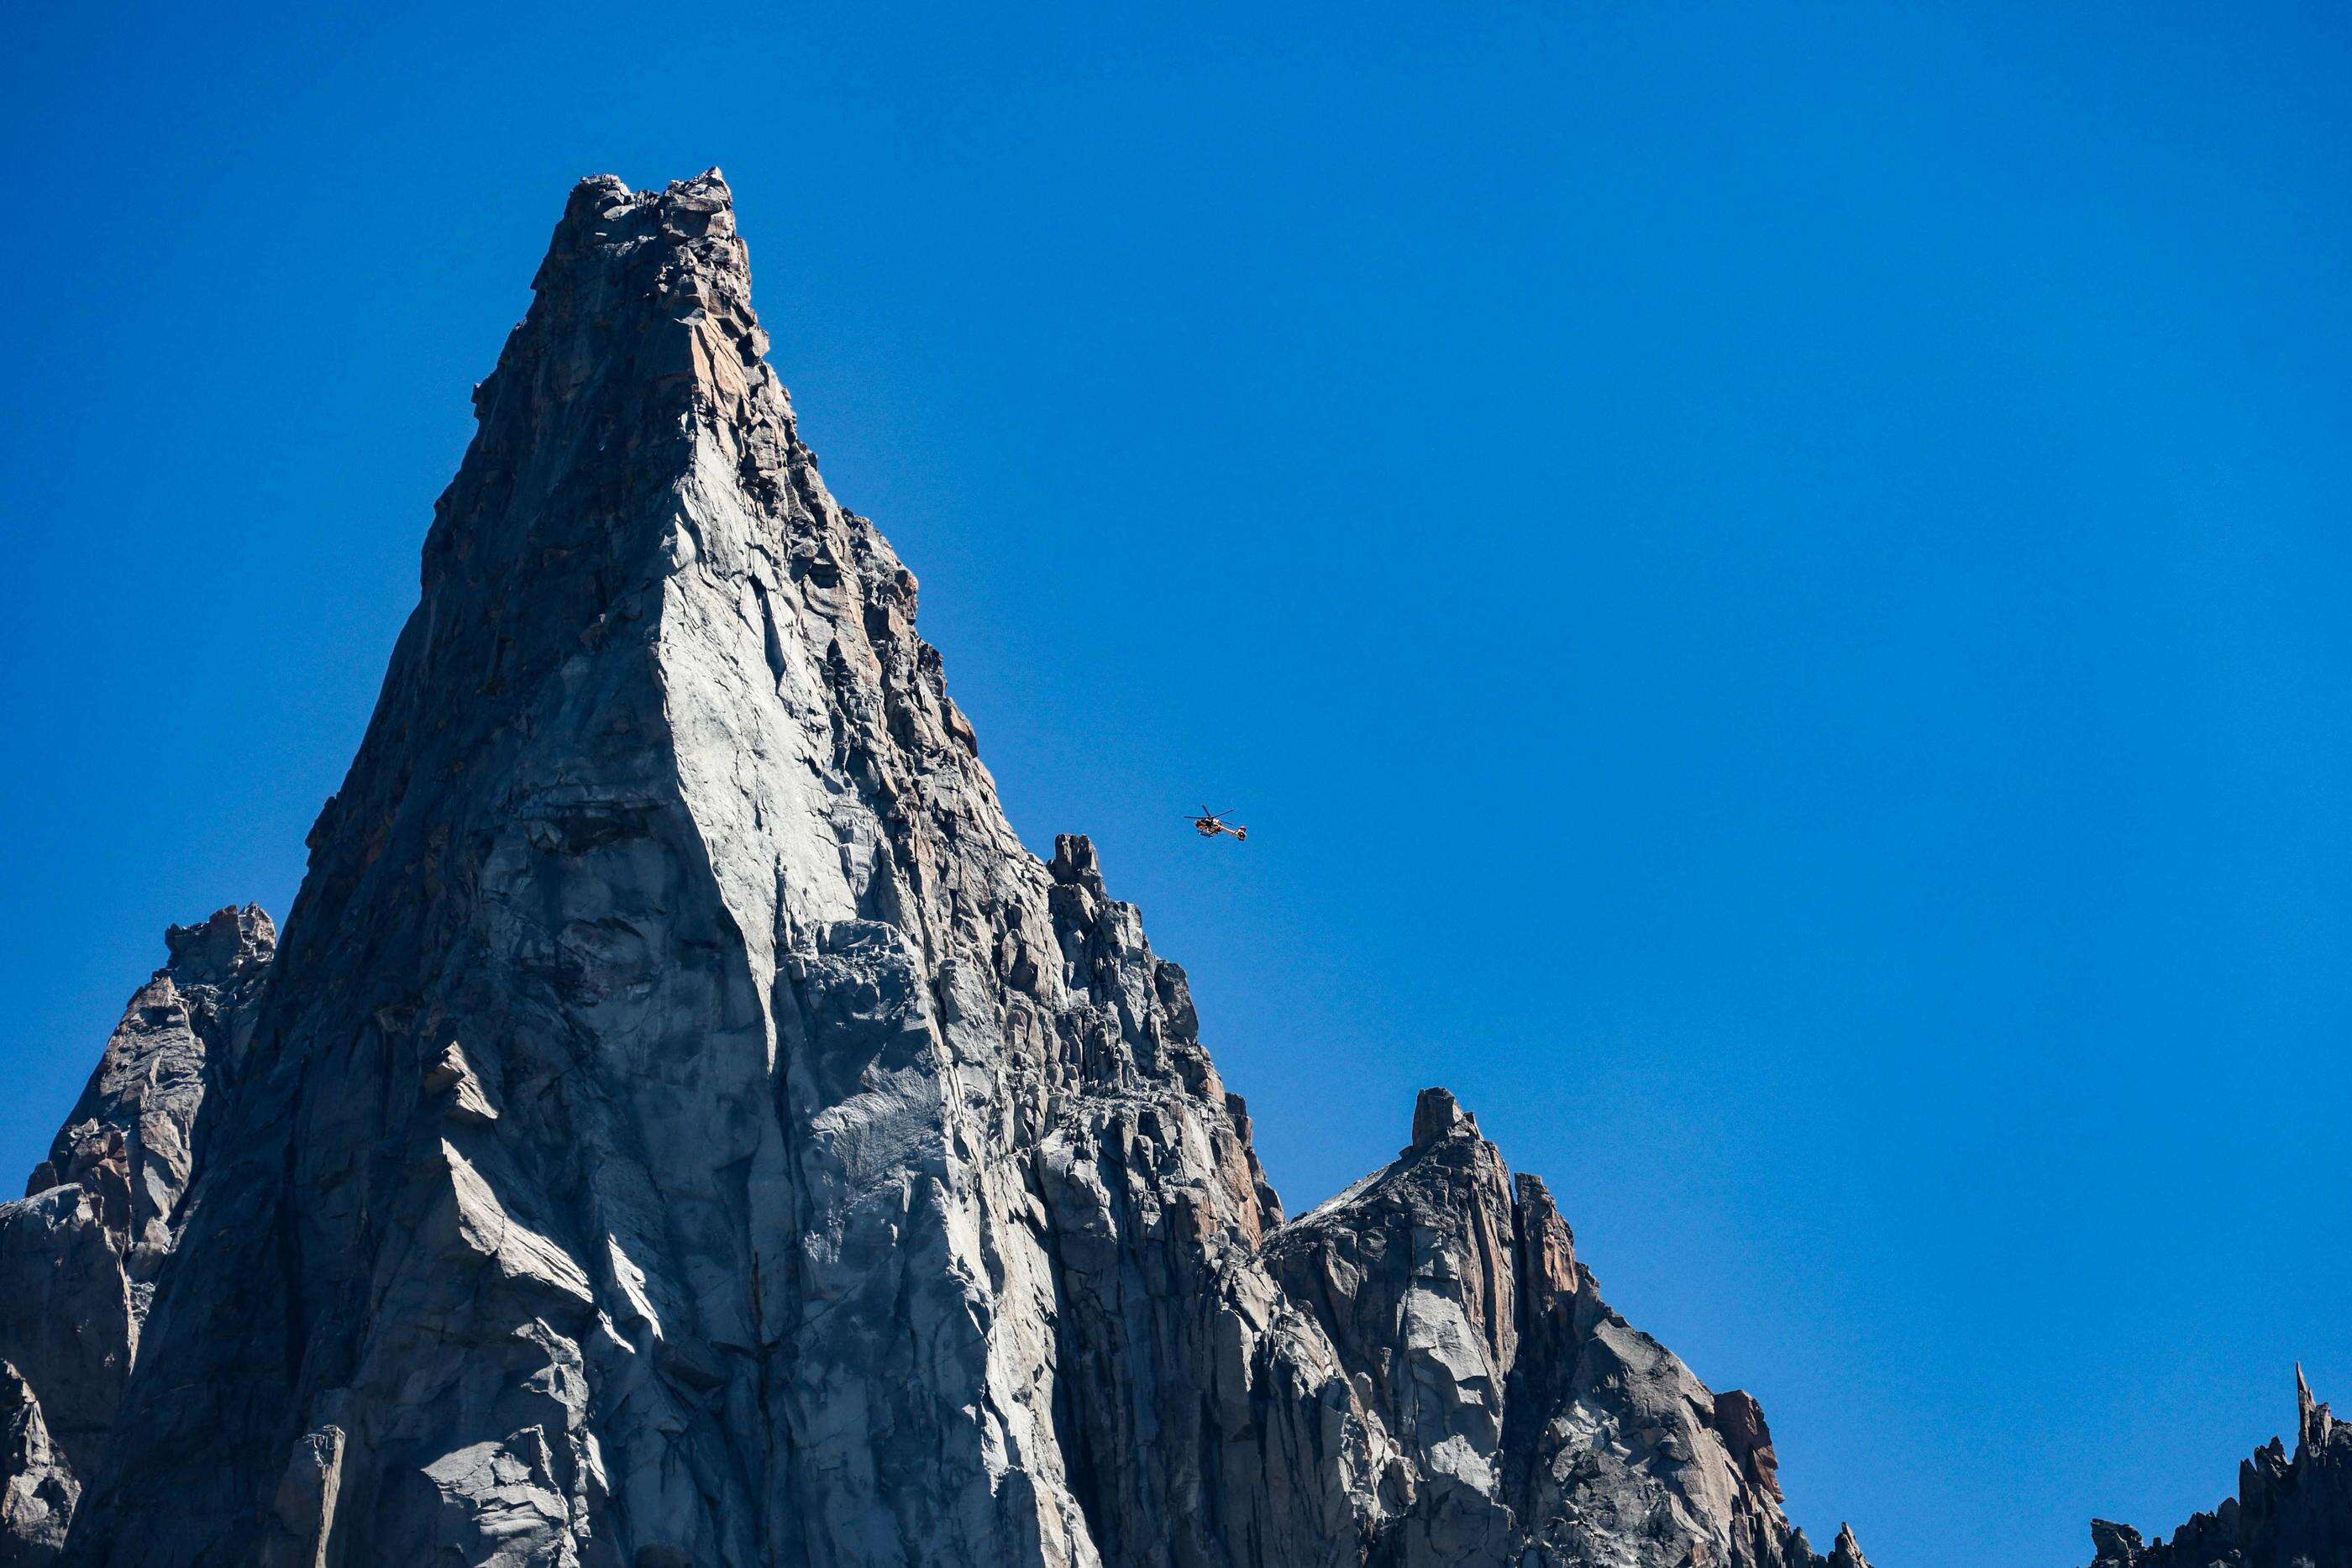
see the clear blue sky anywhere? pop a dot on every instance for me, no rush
(1769, 580)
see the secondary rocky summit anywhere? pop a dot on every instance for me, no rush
(682, 1124)
(81, 1255)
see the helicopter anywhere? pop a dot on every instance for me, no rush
(1209, 824)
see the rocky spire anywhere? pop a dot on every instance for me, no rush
(2314, 1424)
(685, 1125)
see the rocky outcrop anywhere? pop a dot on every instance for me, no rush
(684, 1125)
(2290, 1511)
(81, 1253)
(38, 1488)
(1541, 1428)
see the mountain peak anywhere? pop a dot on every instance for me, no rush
(682, 1122)
(213, 950)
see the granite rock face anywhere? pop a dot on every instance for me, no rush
(685, 1125)
(2290, 1511)
(38, 1488)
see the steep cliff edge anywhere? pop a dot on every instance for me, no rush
(684, 1126)
(2290, 1511)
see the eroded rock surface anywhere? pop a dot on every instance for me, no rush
(685, 1125)
(38, 1488)
(2290, 1510)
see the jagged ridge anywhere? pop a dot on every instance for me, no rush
(2290, 1512)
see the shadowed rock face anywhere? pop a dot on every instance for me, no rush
(81, 1253)
(2290, 1512)
(684, 1126)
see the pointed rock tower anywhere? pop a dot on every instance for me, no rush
(684, 1126)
